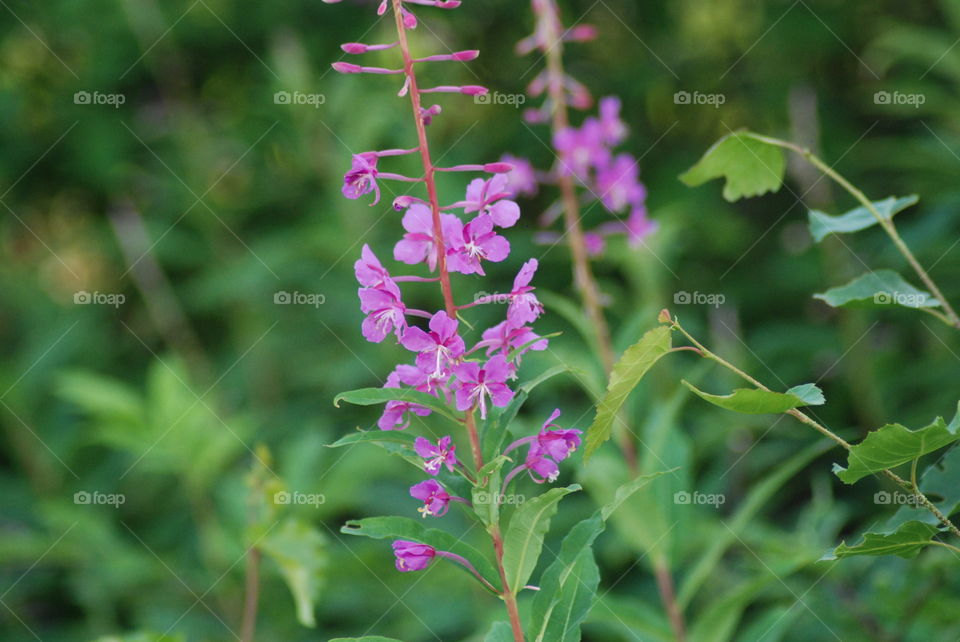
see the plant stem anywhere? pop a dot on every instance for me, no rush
(429, 180)
(509, 598)
(668, 597)
(252, 593)
(886, 223)
(583, 277)
(802, 417)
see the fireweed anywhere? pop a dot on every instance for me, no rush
(474, 385)
(588, 170)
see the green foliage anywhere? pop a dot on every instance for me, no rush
(374, 396)
(879, 288)
(752, 401)
(410, 529)
(626, 375)
(906, 541)
(895, 444)
(523, 539)
(860, 218)
(750, 166)
(300, 551)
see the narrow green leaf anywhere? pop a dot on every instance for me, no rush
(523, 541)
(907, 541)
(751, 167)
(486, 495)
(409, 529)
(366, 638)
(880, 288)
(822, 224)
(627, 373)
(895, 444)
(751, 401)
(569, 584)
(299, 550)
(374, 396)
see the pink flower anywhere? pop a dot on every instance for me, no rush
(581, 149)
(362, 177)
(505, 337)
(439, 348)
(490, 197)
(556, 442)
(418, 244)
(524, 305)
(436, 500)
(542, 469)
(436, 456)
(394, 413)
(413, 556)
(385, 314)
(370, 272)
(619, 184)
(522, 179)
(612, 129)
(475, 243)
(475, 384)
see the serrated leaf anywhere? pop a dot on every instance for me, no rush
(523, 540)
(883, 287)
(907, 541)
(822, 224)
(940, 482)
(751, 401)
(750, 166)
(374, 396)
(300, 551)
(626, 374)
(409, 529)
(895, 444)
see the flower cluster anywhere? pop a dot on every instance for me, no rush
(586, 153)
(475, 375)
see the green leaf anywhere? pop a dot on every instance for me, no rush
(523, 541)
(627, 373)
(374, 396)
(907, 541)
(300, 552)
(569, 585)
(367, 638)
(409, 529)
(499, 632)
(883, 287)
(895, 444)
(485, 496)
(751, 401)
(751, 167)
(940, 482)
(822, 224)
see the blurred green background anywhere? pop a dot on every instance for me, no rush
(176, 181)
